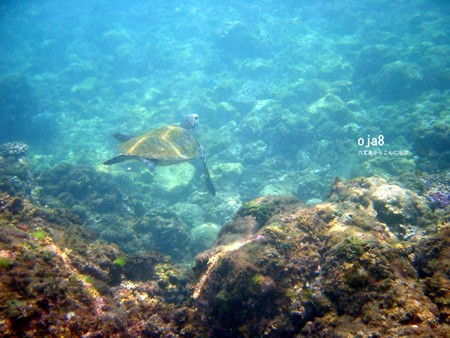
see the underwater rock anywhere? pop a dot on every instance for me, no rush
(226, 147)
(127, 85)
(398, 80)
(370, 59)
(440, 199)
(281, 130)
(330, 107)
(87, 85)
(202, 236)
(335, 69)
(329, 270)
(238, 40)
(403, 211)
(249, 93)
(432, 145)
(398, 207)
(332, 269)
(437, 190)
(174, 178)
(15, 174)
(15, 149)
(302, 90)
(275, 189)
(256, 68)
(66, 185)
(20, 105)
(168, 232)
(59, 280)
(96, 199)
(190, 213)
(223, 113)
(227, 175)
(431, 258)
(80, 68)
(255, 152)
(222, 91)
(217, 212)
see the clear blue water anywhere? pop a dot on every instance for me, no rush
(290, 95)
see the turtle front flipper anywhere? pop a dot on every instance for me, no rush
(206, 176)
(117, 159)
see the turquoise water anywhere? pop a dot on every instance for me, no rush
(290, 95)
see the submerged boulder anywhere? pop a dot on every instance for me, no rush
(398, 80)
(401, 210)
(336, 269)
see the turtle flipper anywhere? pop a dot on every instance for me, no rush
(206, 175)
(122, 137)
(117, 159)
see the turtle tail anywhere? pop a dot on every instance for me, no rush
(117, 159)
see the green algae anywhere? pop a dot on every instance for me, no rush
(87, 279)
(262, 212)
(4, 262)
(120, 261)
(258, 279)
(351, 249)
(39, 234)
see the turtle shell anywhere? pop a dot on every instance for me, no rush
(169, 144)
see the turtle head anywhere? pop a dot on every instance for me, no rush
(189, 121)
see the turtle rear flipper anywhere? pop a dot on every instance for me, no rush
(118, 159)
(122, 137)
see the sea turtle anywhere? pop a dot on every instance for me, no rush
(164, 146)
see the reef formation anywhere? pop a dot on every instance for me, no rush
(371, 261)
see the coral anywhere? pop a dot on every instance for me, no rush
(286, 90)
